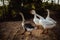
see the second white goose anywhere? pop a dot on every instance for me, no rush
(48, 17)
(35, 19)
(48, 22)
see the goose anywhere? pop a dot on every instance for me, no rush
(35, 19)
(48, 22)
(26, 26)
(48, 17)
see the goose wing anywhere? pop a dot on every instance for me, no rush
(47, 24)
(50, 19)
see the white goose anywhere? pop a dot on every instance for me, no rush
(35, 19)
(48, 17)
(48, 22)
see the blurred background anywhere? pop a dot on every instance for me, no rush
(9, 9)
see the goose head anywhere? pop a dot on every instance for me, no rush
(35, 19)
(33, 12)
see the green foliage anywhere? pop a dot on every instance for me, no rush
(13, 13)
(51, 6)
(29, 5)
(1, 11)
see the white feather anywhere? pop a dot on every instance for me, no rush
(46, 23)
(35, 19)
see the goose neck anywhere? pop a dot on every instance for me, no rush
(23, 19)
(48, 13)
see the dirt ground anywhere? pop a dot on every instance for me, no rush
(12, 30)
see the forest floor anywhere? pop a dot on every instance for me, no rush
(12, 30)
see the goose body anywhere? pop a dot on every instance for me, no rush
(35, 19)
(29, 27)
(53, 22)
(48, 22)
